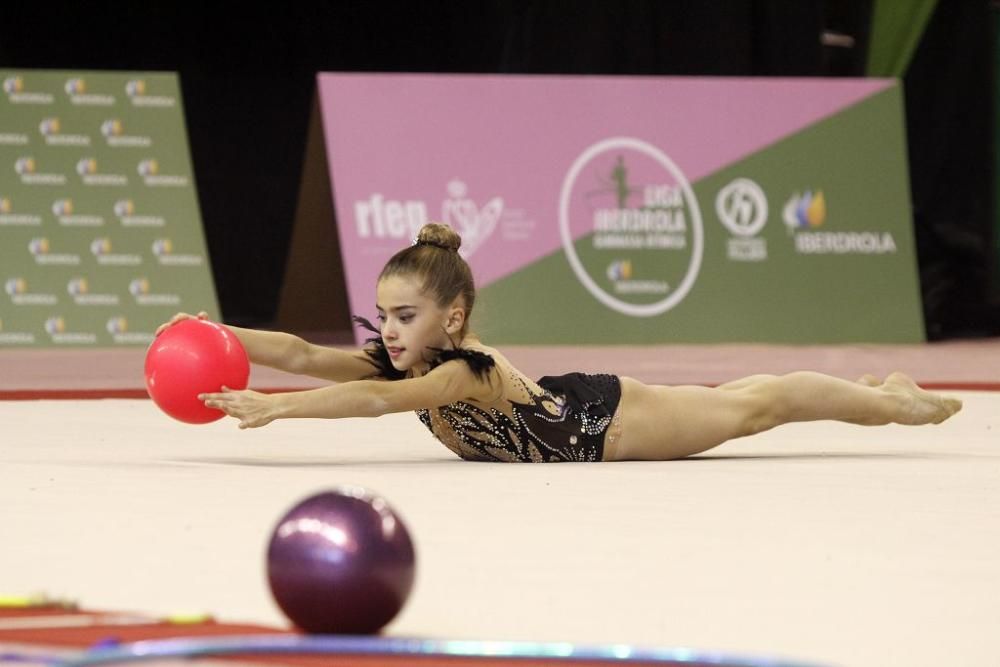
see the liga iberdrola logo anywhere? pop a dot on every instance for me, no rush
(631, 227)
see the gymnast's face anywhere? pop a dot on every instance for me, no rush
(411, 321)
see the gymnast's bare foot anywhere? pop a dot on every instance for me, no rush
(919, 406)
(869, 380)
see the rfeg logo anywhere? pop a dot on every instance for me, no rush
(631, 227)
(380, 217)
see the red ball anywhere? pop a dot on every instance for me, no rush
(190, 358)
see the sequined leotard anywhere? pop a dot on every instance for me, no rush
(559, 418)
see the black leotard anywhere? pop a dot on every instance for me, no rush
(566, 421)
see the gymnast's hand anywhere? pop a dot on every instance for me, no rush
(252, 408)
(179, 317)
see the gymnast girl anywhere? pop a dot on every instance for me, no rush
(424, 357)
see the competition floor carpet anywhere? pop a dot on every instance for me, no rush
(820, 543)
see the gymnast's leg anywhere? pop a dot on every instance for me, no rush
(660, 423)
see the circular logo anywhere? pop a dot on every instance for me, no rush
(631, 227)
(742, 207)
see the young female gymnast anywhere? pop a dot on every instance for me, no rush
(425, 358)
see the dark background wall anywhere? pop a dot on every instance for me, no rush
(247, 76)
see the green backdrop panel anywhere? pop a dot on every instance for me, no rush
(101, 237)
(806, 241)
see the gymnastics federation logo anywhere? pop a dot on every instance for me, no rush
(624, 203)
(380, 217)
(62, 207)
(13, 85)
(5, 206)
(806, 210)
(475, 223)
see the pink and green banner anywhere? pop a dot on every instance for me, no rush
(637, 210)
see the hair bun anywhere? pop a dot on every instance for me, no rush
(439, 236)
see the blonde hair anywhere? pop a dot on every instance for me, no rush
(443, 273)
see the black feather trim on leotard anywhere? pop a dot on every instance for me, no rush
(479, 363)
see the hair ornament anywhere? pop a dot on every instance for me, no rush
(436, 244)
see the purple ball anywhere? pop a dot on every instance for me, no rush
(341, 562)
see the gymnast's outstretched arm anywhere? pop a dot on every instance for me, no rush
(448, 383)
(290, 353)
